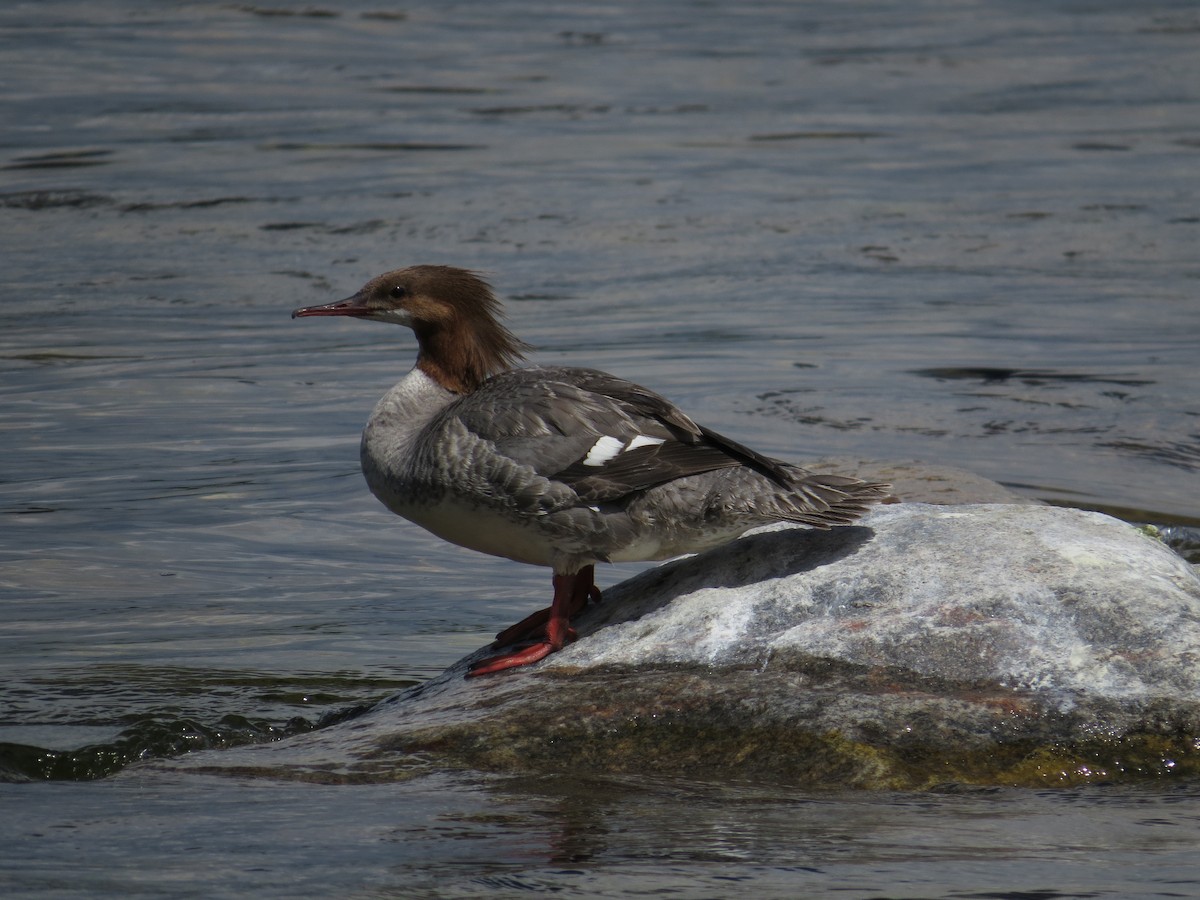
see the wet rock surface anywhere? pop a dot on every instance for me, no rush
(980, 644)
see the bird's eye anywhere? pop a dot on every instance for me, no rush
(398, 291)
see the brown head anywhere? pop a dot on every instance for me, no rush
(453, 313)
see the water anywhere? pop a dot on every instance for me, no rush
(466, 837)
(920, 230)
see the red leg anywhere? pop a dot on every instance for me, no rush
(533, 626)
(571, 594)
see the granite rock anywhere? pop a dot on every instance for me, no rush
(977, 644)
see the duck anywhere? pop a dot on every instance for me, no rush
(556, 466)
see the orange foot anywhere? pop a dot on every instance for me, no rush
(553, 625)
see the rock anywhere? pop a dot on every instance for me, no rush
(979, 644)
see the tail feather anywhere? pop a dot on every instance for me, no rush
(825, 500)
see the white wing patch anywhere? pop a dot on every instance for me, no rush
(604, 450)
(608, 448)
(643, 441)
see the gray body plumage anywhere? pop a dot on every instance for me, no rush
(565, 467)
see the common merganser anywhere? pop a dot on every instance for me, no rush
(556, 466)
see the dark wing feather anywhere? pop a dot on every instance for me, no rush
(544, 419)
(566, 410)
(653, 406)
(642, 468)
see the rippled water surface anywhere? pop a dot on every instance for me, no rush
(959, 233)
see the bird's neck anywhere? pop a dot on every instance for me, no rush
(462, 356)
